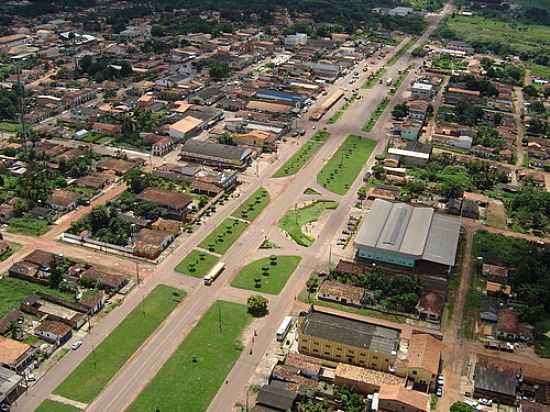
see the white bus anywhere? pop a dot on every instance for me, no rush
(214, 273)
(284, 328)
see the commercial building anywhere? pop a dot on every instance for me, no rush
(421, 364)
(401, 234)
(216, 154)
(364, 380)
(341, 339)
(422, 91)
(185, 128)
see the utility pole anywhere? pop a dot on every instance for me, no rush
(137, 274)
(220, 317)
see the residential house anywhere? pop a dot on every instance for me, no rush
(463, 207)
(496, 382)
(63, 200)
(173, 204)
(168, 225)
(341, 293)
(119, 166)
(498, 290)
(109, 129)
(418, 110)
(455, 95)
(410, 130)
(54, 332)
(430, 306)
(150, 243)
(257, 138)
(15, 355)
(422, 362)
(207, 96)
(395, 398)
(185, 128)
(339, 338)
(417, 155)
(363, 380)
(510, 328)
(96, 181)
(276, 398)
(102, 280)
(495, 273)
(488, 310)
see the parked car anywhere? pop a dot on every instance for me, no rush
(76, 345)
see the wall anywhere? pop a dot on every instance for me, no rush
(394, 258)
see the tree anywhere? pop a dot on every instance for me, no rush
(56, 274)
(257, 305)
(157, 31)
(400, 110)
(312, 285)
(218, 71)
(137, 184)
(99, 218)
(530, 91)
(461, 407)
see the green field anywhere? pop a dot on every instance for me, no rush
(268, 275)
(294, 219)
(302, 156)
(376, 115)
(9, 127)
(13, 291)
(197, 264)
(537, 70)
(195, 372)
(52, 406)
(14, 247)
(373, 78)
(397, 55)
(91, 376)
(449, 63)
(253, 206)
(221, 238)
(342, 169)
(29, 226)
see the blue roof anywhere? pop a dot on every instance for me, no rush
(270, 94)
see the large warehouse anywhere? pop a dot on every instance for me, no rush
(401, 234)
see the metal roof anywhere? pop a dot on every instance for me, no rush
(442, 240)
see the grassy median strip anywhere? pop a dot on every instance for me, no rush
(268, 275)
(253, 206)
(373, 78)
(197, 264)
(342, 169)
(376, 115)
(192, 376)
(53, 406)
(336, 116)
(91, 376)
(302, 156)
(397, 55)
(402, 76)
(221, 238)
(294, 219)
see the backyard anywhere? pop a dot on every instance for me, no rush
(293, 221)
(342, 169)
(91, 376)
(376, 115)
(200, 363)
(197, 264)
(268, 275)
(253, 206)
(302, 156)
(221, 238)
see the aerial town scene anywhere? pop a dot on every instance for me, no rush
(275, 206)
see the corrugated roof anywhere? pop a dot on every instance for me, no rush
(442, 240)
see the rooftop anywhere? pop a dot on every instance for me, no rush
(215, 150)
(365, 375)
(494, 379)
(418, 400)
(11, 350)
(166, 198)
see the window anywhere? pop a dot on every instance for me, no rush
(327, 353)
(363, 354)
(316, 343)
(316, 350)
(414, 372)
(375, 357)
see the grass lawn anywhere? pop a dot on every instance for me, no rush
(311, 192)
(253, 206)
(53, 406)
(14, 247)
(267, 275)
(91, 376)
(303, 297)
(199, 365)
(13, 291)
(376, 115)
(9, 127)
(397, 55)
(302, 156)
(197, 264)
(294, 219)
(221, 238)
(106, 140)
(399, 81)
(449, 63)
(29, 226)
(373, 78)
(342, 169)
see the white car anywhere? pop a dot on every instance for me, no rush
(440, 380)
(76, 345)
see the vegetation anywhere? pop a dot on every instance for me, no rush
(336, 116)
(221, 238)
(91, 376)
(257, 305)
(342, 169)
(202, 361)
(449, 63)
(302, 156)
(27, 225)
(293, 221)
(460, 406)
(376, 115)
(268, 275)
(14, 247)
(197, 264)
(373, 78)
(397, 55)
(53, 406)
(253, 206)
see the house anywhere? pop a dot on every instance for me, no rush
(341, 293)
(488, 310)
(162, 146)
(173, 204)
(498, 290)
(94, 302)
(422, 362)
(119, 166)
(418, 110)
(422, 91)
(510, 328)
(363, 380)
(410, 130)
(495, 382)
(96, 181)
(150, 243)
(14, 355)
(107, 128)
(177, 173)
(494, 273)
(10, 386)
(414, 155)
(400, 234)
(294, 40)
(63, 200)
(216, 154)
(455, 95)
(257, 138)
(167, 225)
(185, 128)
(430, 306)
(207, 96)
(102, 280)
(463, 207)
(276, 398)
(54, 332)
(336, 337)
(395, 398)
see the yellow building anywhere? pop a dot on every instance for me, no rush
(342, 339)
(421, 364)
